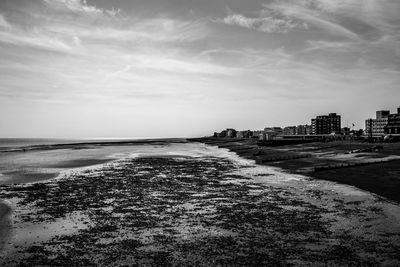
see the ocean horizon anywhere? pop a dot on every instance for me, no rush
(13, 143)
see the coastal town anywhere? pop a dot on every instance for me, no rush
(385, 127)
(365, 158)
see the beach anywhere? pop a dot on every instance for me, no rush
(374, 167)
(188, 203)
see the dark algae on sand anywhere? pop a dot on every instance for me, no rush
(184, 211)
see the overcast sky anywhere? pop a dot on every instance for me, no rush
(171, 68)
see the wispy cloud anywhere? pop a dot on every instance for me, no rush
(81, 6)
(4, 23)
(267, 24)
(353, 19)
(303, 11)
(34, 40)
(313, 45)
(77, 31)
(164, 30)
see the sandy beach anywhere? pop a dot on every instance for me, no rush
(194, 204)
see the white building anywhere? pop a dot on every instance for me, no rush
(377, 126)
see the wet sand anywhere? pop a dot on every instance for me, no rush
(47, 172)
(197, 210)
(43, 162)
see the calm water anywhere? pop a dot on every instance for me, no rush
(12, 143)
(32, 165)
(17, 143)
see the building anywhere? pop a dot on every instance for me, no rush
(244, 134)
(266, 136)
(393, 124)
(326, 124)
(231, 133)
(346, 130)
(273, 130)
(303, 129)
(257, 134)
(222, 134)
(270, 133)
(290, 130)
(376, 126)
(380, 114)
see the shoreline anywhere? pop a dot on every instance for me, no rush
(35, 163)
(370, 167)
(213, 208)
(92, 144)
(377, 172)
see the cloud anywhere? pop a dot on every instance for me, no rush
(182, 66)
(267, 24)
(247, 60)
(34, 40)
(311, 16)
(326, 45)
(136, 33)
(4, 23)
(48, 29)
(352, 19)
(77, 40)
(81, 6)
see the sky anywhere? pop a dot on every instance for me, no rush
(183, 68)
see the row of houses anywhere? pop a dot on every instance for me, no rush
(385, 123)
(297, 130)
(321, 125)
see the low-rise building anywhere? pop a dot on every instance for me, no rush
(222, 134)
(231, 133)
(290, 130)
(240, 134)
(257, 134)
(265, 136)
(346, 130)
(271, 132)
(244, 134)
(303, 129)
(274, 130)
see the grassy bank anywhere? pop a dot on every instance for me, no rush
(371, 167)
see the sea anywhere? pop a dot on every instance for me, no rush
(28, 160)
(7, 144)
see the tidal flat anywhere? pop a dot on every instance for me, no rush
(179, 210)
